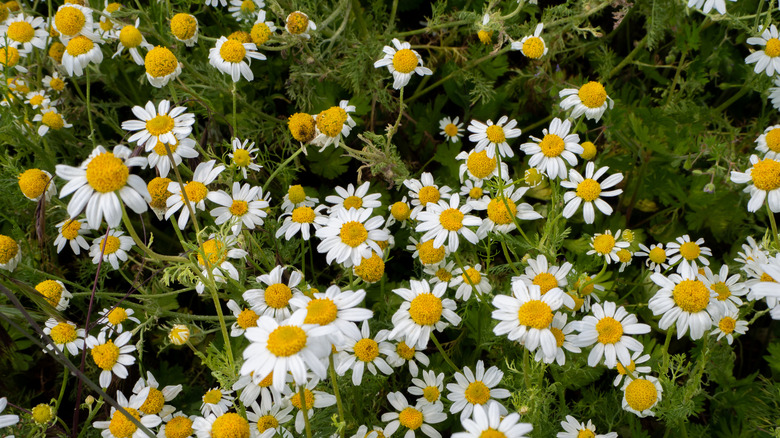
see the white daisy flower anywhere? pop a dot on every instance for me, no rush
(111, 248)
(422, 312)
(291, 346)
(472, 280)
(184, 27)
(565, 339)
(725, 290)
(36, 184)
(763, 176)
(441, 273)
(155, 402)
(526, 316)
(66, 336)
(399, 211)
(474, 389)
(656, 256)
(426, 253)
(451, 129)
(503, 210)
(687, 253)
(590, 99)
(335, 307)
(766, 285)
(589, 191)
(178, 425)
(54, 291)
(641, 395)
(252, 389)
(131, 38)
(550, 154)
(214, 3)
(351, 198)
(245, 209)
(301, 219)
(72, 20)
(262, 30)
(181, 148)
(767, 59)
(769, 142)
(216, 401)
(112, 318)
(245, 318)
(161, 66)
(540, 273)
(425, 191)
(161, 125)
(196, 192)
(37, 99)
(476, 194)
(477, 166)
(54, 82)
(269, 421)
(490, 420)
(6, 420)
(245, 10)
(242, 156)
(606, 245)
(574, 429)
(313, 399)
(231, 421)
(429, 388)
(50, 118)
(119, 426)
(299, 24)
(420, 416)
(491, 137)
(234, 57)
(445, 223)
(80, 51)
(402, 62)
(683, 299)
(348, 236)
(358, 351)
(332, 123)
(25, 31)
(111, 355)
(404, 354)
(774, 94)
(213, 258)
(10, 253)
(728, 324)
(296, 197)
(607, 331)
(100, 182)
(633, 368)
(532, 46)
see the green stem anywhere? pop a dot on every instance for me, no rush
(304, 410)
(466, 276)
(391, 21)
(62, 389)
(140, 243)
(303, 259)
(509, 259)
(397, 120)
(771, 215)
(443, 353)
(235, 120)
(520, 5)
(187, 204)
(222, 326)
(639, 46)
(665, 350)
(281, 166)
(332, 370)
(89, 112)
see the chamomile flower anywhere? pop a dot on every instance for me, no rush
(477, 166)
(6, 420)
(474, 389)
(641, 395)
(441, 273)
(768, 143)
(426, 253)
(607, 330)
(451, 129)
(290, 346)
(36, 184)
(425, 191)
(213, 258)
(359, 351)
(111, 248)
(607, 245)
(490, 422)
(112, 319)
(245, 10)
(590, 99)
(66, 336)
(334, 307)
(725, 290)
(119, 426)
(270, 420)
(252, 389)
(178, 425)
(422, 311)
(217, 401)
(445, 223)
(79, 53)
(234, 57)
(526, 316)
(588, 192)
(131, 38)
(155, 401)
(312, 398)
(303, 219)
(54, 82)
(245, 318)
(683, 299)
(112, 356)
(636, 359)
(10, 56)
(420, 416)
(242, 156)
(37, 99)
(159, 125)
(229, 424)
(24, 31)
(196, 192)
(469, 279)
(181, 148)
(274, 299)
(766, 60)
(332, 123)
(491, 137)
(429, 388)
(574, 429)
(159, 194)
(72, 20)
(504, 210)
(262, 30)
(765, 181)
(656, 256)
(348, 236)
(299, 24)
(400, 212)
(162, 66)
(565, 339)
(688, 253)
(351, 198)
(244, 209)
(184, 27)
(532, 46)
(727, 324)
(550, 154)
(50, 118)
(52, 290)
(296, 197)
(404, 354)
(402, 62)
(540, 273)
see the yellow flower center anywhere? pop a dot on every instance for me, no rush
(321, 311)
(79, 45)
(371, 269)
(331, 121)
(105, 355)
(130, 36)
(109, 245)
(120, 426)
(303, 215)
(609, 329)
(471, 276)
(727, 325)
(477, 393)
(308, 397)
(624, 256)
(444, 275)
(33, 182)
(184, 26)
(20, 31)
(159, 148)
(426, 309)
(105, 24)
(9, 56)
(589, 190)
(767, 278)
(690, 251)
(179, 334)
(239, 207)
(267, 422)
(260, 33)
(622, 370)
(247, 318)
(628, 235)
(592, 94)
(9, 249)
(773, 140)
(230, 425)
(691, 296)
(232, 51)
(533, 177)
(69, 21)
(492, 433)
(431, 393)
(301, 127)
(641, 394)
(772, 47)
(117, 316)
(248, 6)
(36, 100)
(545, 281)
(722, 290)
(400, 211)
(158, 190)
(50, 289)
(297, 23)
(214, 251)
(161, 124)
(428, 194)
(42, 413)
(278, 295)
(107, 173)
(560, 337)
(485, 37)
(353, 233)
(589, 151)
(154, 402)
(353, 202)
(57, 84)
(451, 130)
(536, 314)
(63, 333)
(404, 351)
(240, 36)
(113, 7)
(585, 433)
(451, 219)
(295, 194)
(241, 157)
(533, 48)
(366, 350)
(480, 165)
(212, 397)
(56, 50)
(178, 427)
(196, 191)
(603, 243)
(405, 61)
(410, 418)
(430, 255)
(657, 255)
(476, 193)
(498, 213)
(495, 134)
(53, 120)
(160, 62)
(766, 174)
(552, 145)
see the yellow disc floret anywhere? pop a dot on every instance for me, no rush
(371, 269)
(105, 355)
(592, 94)
(552, 145)
(33, 182)
(267, 422)
(690, 251)
(321, 311)
(109, 245)
(722, 290)
(451, 130)
(400, 211)
(278, 295)
(536, 314)
(498, 213)
(9, 56)
(154, 403)
(160, 62)
(63, 333)
(431, 393)
(603, 243)
(545, 281)
(301, 126)
(366, 350)
(242, 158)
(353, 234)
(589, 150)
(295, 194)
(107, 173)
(120, 426)
(485, 36)
(53, 120)
(260, 33)
(657, 255)
(308, 398)
(297, 23)
(331, 121)
(43, 413)
(158, 191)
(50, 289)
(56, 50)
(404, 351)
(691, 296)
(641, 394)
(773, 140)
(405, 61)
(609, 329)
(451, 219)
(766, 174)
(20, 31)
(232, 51)
(247, 318)
(480, 165)
(727, 325)
(426, 309)
(303, 215)
(477, 393)
(69, 20)
(213, 396)
(130, 36)
(178, 427)
(79, 46)
(117, 316)
(410, 418)
(495, 134)
(239, 207)
(533, 47)
(428, 194)
(230, 425)
(772, 48)
(589, 190)
(212, 250)
(430, 255)
(184, 26)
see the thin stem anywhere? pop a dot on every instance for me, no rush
(508, 258)
(771, 215)
(62, 389)
(281, 166)
(304, 410)
(391, 21)
(149, 252)
(89, 112)
(397, 120)
(235, 120)
(184, 196)
(665, 350)
(443, 353)
(332, 371)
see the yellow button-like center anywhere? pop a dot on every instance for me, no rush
(560, 337)
(158, 191)
(773, 140)
(130, 36)
(331, 121)
(247, 318)
(321, 311)
(498, 213)
(722, 290)
(727, 325)
(107, 173)
(50, 289)
(52, 119)
(690, 251)
(154, 402)
(429, 194)
(476, 193)
(495, 134)
(410, 418)
(212, 397)
(110, 245)
(766, 174)
(430, 255)
(405, 61)
(260, 33)
(69, 21)
(657, 255)
(404, 351)
(303, 215)
(196, 191)
(105, 355)
(9, 56)
(371, 269)
(117, 316)
(120, 426)
(79, 45)
(477, 393)
(366, 350)
(230, 425)
(308, 397)
(353, 234)
(772, 47)
(20, 31)
(480, 165)
(267, 422)
(63, 333)
(400, 211)
(592, 94)
(431, 393)
(589, 190)
(603, 243)
(641, 394)
(691, 296)
(451, 130)
(353, 202)
(301, 126)
(426, 309)
(533, 48)
(545, 281)
(239, 207)
(232, 51)
(609, 329)
(552, 145)
(160, 62)
(183, 26)
(33, 182)
(297, 23)
(536, 314)
(451, 219)
(278, 295)
(178, 427)
(214, 252)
